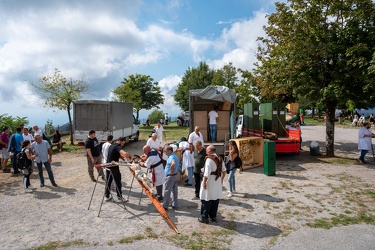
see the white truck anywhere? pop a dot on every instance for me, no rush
(106, 118)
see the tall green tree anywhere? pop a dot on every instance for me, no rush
(59, 92)
(142, 91)
(194, 78)
(322, 50)
(247, 91)
(226, 76)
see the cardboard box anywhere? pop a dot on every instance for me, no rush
(201, 119)
(293, 108)
(251, 151)
(226, 106)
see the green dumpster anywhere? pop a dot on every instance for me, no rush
(269, 157)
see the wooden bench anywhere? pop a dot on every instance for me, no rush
(57, 145)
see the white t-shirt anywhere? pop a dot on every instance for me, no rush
(159, 132)
(364, 143)
(105, 148)
(28, 137)
(153, 144)
(194, 137)
(213, 115)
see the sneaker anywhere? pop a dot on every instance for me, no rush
(234, 191)
(230, 194)
(195, 198)
(41, 185)
(188, 185)
(31, 187)
(59, 150)
(28, 190)
(54, 184)
(108, 198)
(7, 170)
(202, 220)
(93, 179)
(213, 219)
(120, 200)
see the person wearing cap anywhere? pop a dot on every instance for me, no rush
(93, 154)
(115, 152)
(4, 141)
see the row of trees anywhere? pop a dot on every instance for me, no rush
(318, 53)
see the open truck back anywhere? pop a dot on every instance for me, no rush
(202, 101)
(106, 118)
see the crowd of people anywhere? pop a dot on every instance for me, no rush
(204, 168)
(32, 149)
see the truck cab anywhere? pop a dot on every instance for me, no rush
(239, 125)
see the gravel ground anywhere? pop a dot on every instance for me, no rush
(266, 212)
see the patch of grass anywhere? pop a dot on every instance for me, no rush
(58, 244)
(173, 132)
(342, 219)
(131, 239)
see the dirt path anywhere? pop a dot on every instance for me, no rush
(265, 208)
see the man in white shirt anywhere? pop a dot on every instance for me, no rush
(154, 143)
(364, 141)
(159, 130)
(105, 147)
(37, 131)
(195, 136)
(213, 118)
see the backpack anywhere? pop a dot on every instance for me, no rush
(218, 161)
(21, 160)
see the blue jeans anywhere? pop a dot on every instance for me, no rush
(171, 186)
(190, 175)
(363, 153)
(232, 179)
(47, 165)
(14, 162)
(209, 209)
(213, 129)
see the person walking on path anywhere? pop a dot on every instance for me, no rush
(18, 139)
(199, 156)
(233, 162)
(28, 167)
(43, 153)
(159, 130)
(171, 185)
(93, 154)
(115, 152)
(213, 118)
(364, 141)
(211, 188)
(4, 142)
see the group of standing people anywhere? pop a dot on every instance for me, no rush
(34, 148)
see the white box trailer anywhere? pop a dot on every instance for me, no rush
(106, 118)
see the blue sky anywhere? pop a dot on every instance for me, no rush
(105, 41)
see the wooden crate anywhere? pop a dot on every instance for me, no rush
(220, 135)
(251, 151)
(224, 121)
(293, 108)
(226, 106)
(201, 119)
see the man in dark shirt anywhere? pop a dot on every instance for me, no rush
(94, 157)
(199, 157)
(115, 152)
